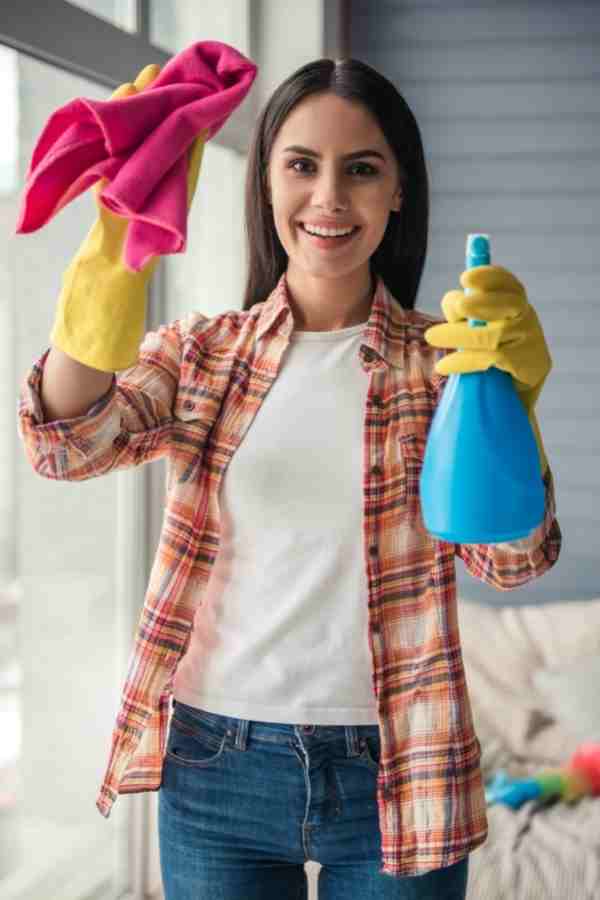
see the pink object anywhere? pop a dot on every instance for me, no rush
(139, 144)
(586, 760)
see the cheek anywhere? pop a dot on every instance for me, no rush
(286, 233)
(380, 221)
(283, 210)
(285, 228)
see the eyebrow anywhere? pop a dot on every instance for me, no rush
(295, 148)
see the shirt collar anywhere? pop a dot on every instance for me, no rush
(385, 330)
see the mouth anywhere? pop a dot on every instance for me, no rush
(328, 243)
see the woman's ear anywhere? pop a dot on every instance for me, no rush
(397, 201)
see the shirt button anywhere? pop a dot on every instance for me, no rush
(376, 470)
(377, 401)
(373, 550)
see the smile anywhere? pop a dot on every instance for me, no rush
(329, 243)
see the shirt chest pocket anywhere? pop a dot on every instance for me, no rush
(206, 388)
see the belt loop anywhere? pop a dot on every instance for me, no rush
(352, 742)
(241, 736)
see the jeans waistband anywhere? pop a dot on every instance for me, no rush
(276, 732)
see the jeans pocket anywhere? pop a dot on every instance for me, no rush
(192, 741)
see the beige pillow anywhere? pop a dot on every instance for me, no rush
(571, 695)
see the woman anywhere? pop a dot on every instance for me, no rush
(275, 744)
(299, 614)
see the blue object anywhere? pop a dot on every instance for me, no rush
(511, 792)
(481, 481)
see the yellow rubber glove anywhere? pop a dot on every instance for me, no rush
(512, 340)
(100, 319)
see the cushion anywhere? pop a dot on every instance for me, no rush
(571, 694)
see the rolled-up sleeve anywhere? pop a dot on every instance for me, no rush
(508, 565)
(129, 425)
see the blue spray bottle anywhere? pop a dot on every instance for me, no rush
(481, 481)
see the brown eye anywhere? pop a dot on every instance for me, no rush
(372, 171)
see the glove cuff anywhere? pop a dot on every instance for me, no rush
(100, 319)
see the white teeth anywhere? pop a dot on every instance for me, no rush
(327, 232)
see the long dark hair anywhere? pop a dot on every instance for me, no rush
(400, 257)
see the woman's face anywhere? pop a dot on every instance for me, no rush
(304, 188)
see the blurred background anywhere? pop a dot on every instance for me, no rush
(507, 98)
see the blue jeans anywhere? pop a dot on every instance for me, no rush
(244, 804)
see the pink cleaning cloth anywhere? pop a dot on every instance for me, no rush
(140, 145)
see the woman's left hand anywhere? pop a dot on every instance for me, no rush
(511, 340)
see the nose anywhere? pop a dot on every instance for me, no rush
(331, 192)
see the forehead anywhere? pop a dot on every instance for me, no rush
(325, 119)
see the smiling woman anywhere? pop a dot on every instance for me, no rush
(298, 615)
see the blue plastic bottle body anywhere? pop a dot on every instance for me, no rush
(481, 481)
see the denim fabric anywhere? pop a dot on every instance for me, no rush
(244, 804)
